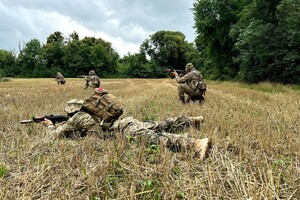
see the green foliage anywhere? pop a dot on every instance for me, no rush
(180, 195)
(255, 46)
(30, 59)
(7, 63)
(135, 65)
(213, 20)
(247, 40)
(148, 184)
(153, 149)
(168, 49)
(269, 51)
(3, 171)
(271, 87)
(71, 57)
(90, 53)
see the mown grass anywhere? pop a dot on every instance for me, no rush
(254, 129)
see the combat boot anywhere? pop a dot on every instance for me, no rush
(188, 100)
(182, 100)
(201, 147)
(197, 121)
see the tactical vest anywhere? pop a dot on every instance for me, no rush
(195, 81)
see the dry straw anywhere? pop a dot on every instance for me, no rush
(254, 129)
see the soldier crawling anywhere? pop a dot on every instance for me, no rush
(190, 84)
(92, 80)
(164, 132)
(60, 79)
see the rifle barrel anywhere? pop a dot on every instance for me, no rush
(26, 121)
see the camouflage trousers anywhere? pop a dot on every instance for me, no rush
(186, 89)
(60, 80)
(169, 132)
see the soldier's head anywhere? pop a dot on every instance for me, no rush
(73, 106)
(92, 73)
(58, 73)
(189, 67)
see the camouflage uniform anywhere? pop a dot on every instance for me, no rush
(82, 123)
(190, 84)
(60, 78)
(92, 80)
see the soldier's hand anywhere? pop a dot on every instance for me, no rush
(181, 75)
(174, 73)
(47, 122)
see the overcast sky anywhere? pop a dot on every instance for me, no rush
(124, 23)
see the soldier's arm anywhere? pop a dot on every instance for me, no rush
(183, 79)
(81, 121)
(61, 131)
(87, 78)
(201, 77)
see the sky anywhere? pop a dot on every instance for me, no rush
(123, 23)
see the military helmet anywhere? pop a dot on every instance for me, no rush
(189, 67)
(92, 73)
(73, 105)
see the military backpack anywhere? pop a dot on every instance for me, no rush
(195, 82)
(103, 105)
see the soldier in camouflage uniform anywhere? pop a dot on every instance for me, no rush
(164, 132)
(60, 78)
(190, 84)
(92, 80)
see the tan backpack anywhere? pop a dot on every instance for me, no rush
(103, 105)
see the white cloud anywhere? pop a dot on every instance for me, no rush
(126, 24)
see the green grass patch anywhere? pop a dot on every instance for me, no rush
(3, 171)
(272, 87)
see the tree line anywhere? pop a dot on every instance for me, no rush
(243, 40)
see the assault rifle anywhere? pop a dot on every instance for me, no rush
(86, 78)
(180, 73)
(82, 76)
(54, 118)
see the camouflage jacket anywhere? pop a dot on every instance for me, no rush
(93, 81)
(59, 77)
(192, 78)
(165, 132)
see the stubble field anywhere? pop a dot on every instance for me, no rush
(254, 129)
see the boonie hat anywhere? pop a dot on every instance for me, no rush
(73, 105)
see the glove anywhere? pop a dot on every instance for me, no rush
(47, 122)
(174, 73)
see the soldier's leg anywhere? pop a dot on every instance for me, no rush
(179, 123)
(188, 99)
(97, 84)
(136, 128)
(183, 142)
(185, 89)
(198, 95)
(195, 95)
(181, 89)
(86, 85)
(132, 126)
